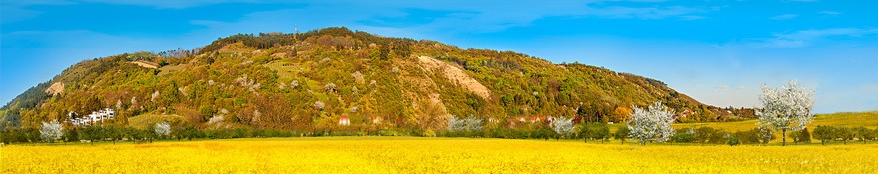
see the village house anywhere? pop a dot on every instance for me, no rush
(686, 112)
(344, 121)
(534, 119)
(89, 119)
(376, 120)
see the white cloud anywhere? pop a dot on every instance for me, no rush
(644, 13)
(34, 2)
(830, 12)
(476, 17)
(691, 17)
(452, 18)
(784, 17)
(807, 35)
(804, 38)
(13, 10)
(165, 3)
(13, 13)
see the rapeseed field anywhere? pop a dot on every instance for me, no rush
(431, 155)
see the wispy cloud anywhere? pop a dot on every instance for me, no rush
(498, 17)
(727, 88)
(34, 2)
(645, 13)
(691, 17)
(151, 3)
(830, 12)
(784, 17)
(805, 38)
(812, 34)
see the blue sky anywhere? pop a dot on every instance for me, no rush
(718, 52)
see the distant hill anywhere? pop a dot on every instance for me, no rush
(312, 80)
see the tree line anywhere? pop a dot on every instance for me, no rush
(559, 128)
(844, 134)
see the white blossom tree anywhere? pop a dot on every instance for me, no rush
(455, 124)
(51, 131)
(563, 126)
(330, 87)
(470, 124)
(786, 108)
(162, 129)
(319, 105)
(651, 124)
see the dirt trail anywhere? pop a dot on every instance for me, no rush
(145, 64)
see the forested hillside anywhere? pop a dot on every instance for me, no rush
(311, 80)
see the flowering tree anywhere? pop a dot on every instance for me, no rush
(319, 105)
(162, 129)
(563, 126)
(786, 108)
(470, 124)
(651, 124)
(51, 131)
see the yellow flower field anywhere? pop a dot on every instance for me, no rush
(431, 155)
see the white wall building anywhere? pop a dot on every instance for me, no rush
(89, 119)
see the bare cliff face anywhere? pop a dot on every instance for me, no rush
(456, 75)
(56, 88)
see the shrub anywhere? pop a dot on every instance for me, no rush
(733, 141)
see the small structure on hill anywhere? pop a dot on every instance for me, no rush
(376, 120)
(344, 121)
(89, 119)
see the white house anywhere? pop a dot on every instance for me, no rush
(95, 116)
(344, 121)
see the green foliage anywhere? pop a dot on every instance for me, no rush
(802, 136)
(206, 111)
(686, 135)
(708, 135)
(114, 133)
(621, 134)
(92, 133)
(844, 133)
(595, 131)
(824, 133)
(862, 133)
(733, 141)
(71, 135)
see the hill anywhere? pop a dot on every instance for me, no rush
(311, 80)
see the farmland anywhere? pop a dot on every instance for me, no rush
(430, 155)
(850, 119)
